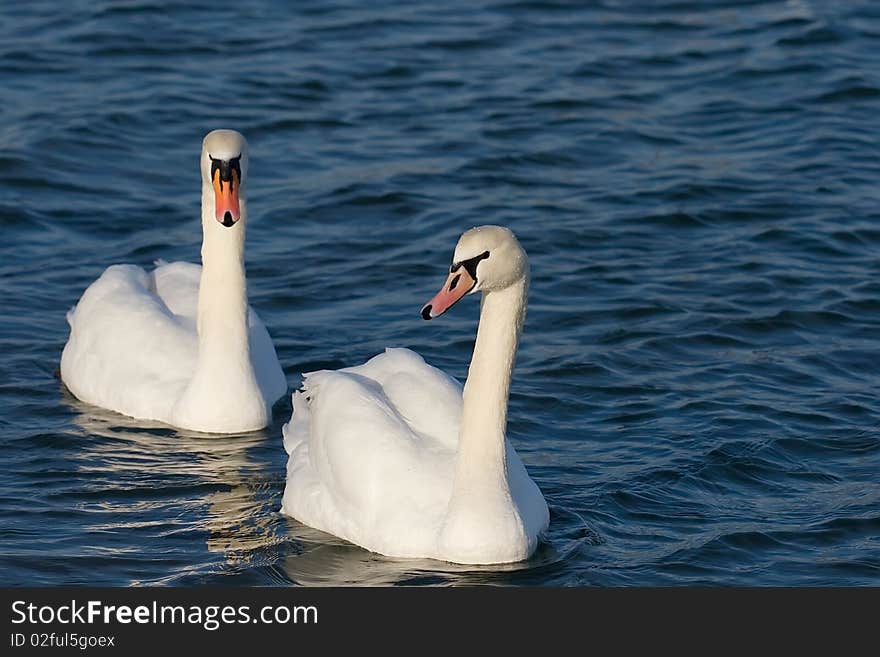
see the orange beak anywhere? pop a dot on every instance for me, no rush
(227, 210)
(456, 286)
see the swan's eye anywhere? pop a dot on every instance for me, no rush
(226, 169)
(470, 265)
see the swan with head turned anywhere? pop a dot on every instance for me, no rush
(180, 344)
(393, 455)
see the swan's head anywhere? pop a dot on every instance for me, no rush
(224, 171)
(486, 258)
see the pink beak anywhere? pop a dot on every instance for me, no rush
(456, 286)
(227, 210)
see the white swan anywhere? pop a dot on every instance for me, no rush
(180, 344)
(391, 456)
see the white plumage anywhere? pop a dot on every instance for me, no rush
(387, 456)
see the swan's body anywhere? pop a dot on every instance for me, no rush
(396, 457)
(180, 344)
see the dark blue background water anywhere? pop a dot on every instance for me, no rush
(698, 388)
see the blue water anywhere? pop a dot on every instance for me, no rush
(698, 389)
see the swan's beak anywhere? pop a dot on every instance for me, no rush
(227, 210)
(459, 283)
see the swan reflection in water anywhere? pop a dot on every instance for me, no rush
(162, 494)
(155, 497)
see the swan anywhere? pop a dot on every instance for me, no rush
(180, 344)
(394, 456)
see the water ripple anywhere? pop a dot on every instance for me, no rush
(696, 391)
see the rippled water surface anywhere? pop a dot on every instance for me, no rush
(696, 184)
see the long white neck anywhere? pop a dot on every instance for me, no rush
(483, 523)
(223, 392)
(481, 450)
(223, 306)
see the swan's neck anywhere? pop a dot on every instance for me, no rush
(481, 451)
(223, 391)
(223, 306)
(483, 522)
